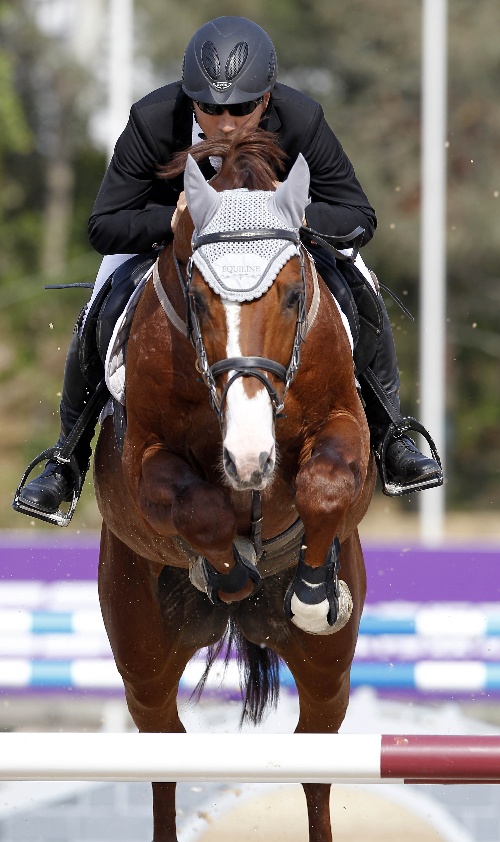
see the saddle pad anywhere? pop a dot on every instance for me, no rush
(345, 322)
(114, 365)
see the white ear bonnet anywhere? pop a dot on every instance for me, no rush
(242, 271)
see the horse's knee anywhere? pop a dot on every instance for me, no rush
(203, 512)
(324, 484)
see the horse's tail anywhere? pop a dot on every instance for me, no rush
(259, 676)
(259, 672)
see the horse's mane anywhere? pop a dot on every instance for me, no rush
(250, 159)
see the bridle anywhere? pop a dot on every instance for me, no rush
(244, 366)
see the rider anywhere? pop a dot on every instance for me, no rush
(228, 82)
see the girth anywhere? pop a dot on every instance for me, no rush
(279, 553)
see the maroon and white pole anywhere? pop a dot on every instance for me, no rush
(266, 758)
(440, 759)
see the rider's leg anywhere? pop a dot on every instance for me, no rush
(406, 468)
(405, 465)
(109, 263)
(56, 483)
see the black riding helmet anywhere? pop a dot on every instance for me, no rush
(229, 60)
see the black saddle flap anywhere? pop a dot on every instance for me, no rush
(369, 314)
(124, 281)
(105, 310)
(357, 300)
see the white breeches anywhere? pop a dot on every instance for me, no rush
(109, 263)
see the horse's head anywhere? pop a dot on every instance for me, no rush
(247, 300)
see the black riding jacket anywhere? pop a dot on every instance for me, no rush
(133, 208)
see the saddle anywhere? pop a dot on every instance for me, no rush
(98, 329)
(106, 308)
(355, 296)
(357, 300)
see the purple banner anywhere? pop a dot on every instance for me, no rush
(409, 573)
(417, 574)
(46, 558)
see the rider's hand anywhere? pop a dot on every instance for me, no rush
(181, 205)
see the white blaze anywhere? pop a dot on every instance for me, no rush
(249, 420)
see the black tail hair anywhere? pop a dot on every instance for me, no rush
(259, 672)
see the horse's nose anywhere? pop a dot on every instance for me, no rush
(245, 471)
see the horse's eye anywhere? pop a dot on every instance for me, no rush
(199, 301)
(292, 297)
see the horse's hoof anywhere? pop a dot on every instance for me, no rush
(246, 558)
(313, 619)
(229, 598)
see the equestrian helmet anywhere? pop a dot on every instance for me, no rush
(229, 60)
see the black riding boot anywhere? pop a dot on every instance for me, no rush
(62, 479)
(403, 468)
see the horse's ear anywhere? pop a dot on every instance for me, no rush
(292, 197)
(202, 200)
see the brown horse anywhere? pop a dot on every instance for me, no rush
(246, 463)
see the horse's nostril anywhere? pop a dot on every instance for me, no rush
(229, 463)
(266, 463)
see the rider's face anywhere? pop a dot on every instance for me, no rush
(217, 125)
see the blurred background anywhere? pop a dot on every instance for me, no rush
(62, 106)
(362, 61)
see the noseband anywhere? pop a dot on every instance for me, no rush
(245, 366)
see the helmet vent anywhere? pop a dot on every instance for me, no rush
(210, 60)
(272, 66)
(236, 60)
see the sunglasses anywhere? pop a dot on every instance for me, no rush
(240, 109)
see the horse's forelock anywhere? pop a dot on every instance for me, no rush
(250, 159)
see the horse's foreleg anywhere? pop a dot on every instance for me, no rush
(328, 485)
(176, 501)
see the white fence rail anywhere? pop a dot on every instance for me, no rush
(250, 758)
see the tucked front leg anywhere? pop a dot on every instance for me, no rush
(327, 486)
(174, 500)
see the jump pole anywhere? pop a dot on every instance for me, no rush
(250, 758)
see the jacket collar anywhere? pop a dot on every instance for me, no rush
(182, 122)
(272, 122)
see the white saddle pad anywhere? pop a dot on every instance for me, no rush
(114, 366)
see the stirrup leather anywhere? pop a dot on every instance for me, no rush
(396, 430)
(59, 518)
